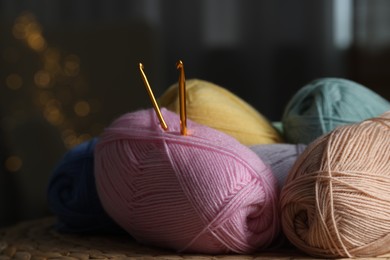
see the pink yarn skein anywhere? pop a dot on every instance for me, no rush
(204, 192)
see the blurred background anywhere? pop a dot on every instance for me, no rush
(68, 68)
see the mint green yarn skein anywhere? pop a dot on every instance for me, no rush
(326, 103)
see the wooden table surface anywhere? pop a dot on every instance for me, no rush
(38, 240)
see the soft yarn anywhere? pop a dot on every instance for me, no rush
(218, 108)
(326, 103)
(336, 199)
(278, 126)
(204, 192)
(280, 157)
(72, 194)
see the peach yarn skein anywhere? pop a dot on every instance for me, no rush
(336, 200)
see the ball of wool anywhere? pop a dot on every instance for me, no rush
(204, 192)
(326, 103)
(280, 157)
(278, 126)
(336, 199)
(72, 194)
(218, 108)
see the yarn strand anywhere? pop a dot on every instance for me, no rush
(336, 200)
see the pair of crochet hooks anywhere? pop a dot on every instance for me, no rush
(182, 98)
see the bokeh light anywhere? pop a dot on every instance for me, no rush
(60, 86)
(82, 108)
(36, 42)
(51, 58)
(42, 79)
(14, 81)
(13, 163)
(72, 65)
(56, 78)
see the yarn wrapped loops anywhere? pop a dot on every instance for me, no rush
(326, 103)
(336, 200)
(203, 192)
(218, 108)
(72, 194)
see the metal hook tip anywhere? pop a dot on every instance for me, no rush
(179, 64)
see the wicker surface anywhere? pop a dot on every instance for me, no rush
(37, 240)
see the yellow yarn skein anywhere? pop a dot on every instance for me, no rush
(218, 108)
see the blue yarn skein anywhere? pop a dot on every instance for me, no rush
(280, 157)
(326, 103)
(72, 194)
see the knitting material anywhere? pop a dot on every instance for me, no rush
(336, 199)
(72, 194)
(218, 108)
(280, 157)
(204, 192)
(278, 126)
(326, 103)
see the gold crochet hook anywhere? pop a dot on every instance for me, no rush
(182, 97)
(152, 98)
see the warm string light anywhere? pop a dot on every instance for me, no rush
(53, 94)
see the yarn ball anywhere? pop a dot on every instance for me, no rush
(203, 192)
(218, 108)
(326, 103)
(280, 157)
(72, 194)
(278, 126)
(336, 199)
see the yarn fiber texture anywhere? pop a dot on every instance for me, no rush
(336, 199)
(280, 157)
(72, 194)
(204, 192)
(326, 103)
(218, 108)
